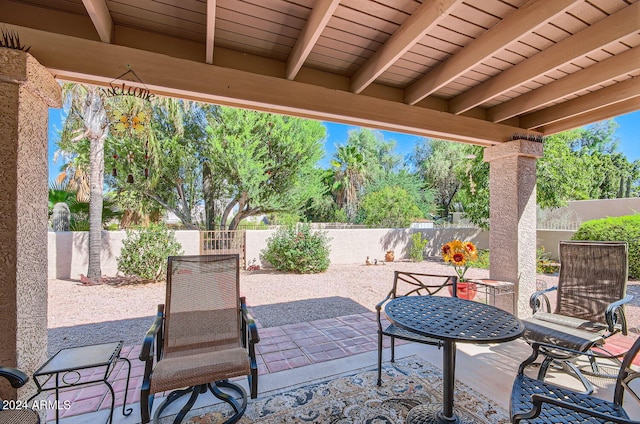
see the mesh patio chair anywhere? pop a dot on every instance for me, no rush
(591, 294)
(18, 415)
(536, 402)
(203, 336)
(410, 284)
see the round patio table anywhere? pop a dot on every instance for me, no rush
(451, 320)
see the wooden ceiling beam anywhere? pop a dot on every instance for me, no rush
(211, 30)
(101, 18)
(520, 23)
(605, 31)
(318, 19)
(423, 20)
(597, 115)
(76, 59)
(615, 93)
(597, 74)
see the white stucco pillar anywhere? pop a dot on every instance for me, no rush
(27, 90)
(512, 236)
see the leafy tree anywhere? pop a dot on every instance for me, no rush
(262, 163)
(160, 168)
(423, 197)
(577, 164)
(391, 207)
(376, 151)
(474, 191)
(441, 162)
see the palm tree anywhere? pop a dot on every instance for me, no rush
(350, 176)
(87, 120)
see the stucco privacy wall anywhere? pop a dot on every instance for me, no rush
(27, 91)
(68, 250)
(586, 210)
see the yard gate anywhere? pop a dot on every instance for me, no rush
(221, 242)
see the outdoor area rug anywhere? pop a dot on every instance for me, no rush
(356, 399)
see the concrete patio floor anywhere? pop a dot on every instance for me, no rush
(303, 352)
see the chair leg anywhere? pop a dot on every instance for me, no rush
(570, 367)
(393, 349)
(173, 396)
(530, 360)
(253, 383)
(379, 359)
(544, 367)
(239, 408)
(146, 404)
(192, 400)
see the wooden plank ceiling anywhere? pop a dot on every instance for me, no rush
(476, 71)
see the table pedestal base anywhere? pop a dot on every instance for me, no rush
(427, 414)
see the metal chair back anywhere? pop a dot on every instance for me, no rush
(593, 274)
(202, 307)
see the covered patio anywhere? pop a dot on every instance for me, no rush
(497, 74)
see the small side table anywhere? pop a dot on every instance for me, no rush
(65, 366)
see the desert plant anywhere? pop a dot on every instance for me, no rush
(416, 251)
(145, 251)
(61, 217)
(298, 249)
(619, 228)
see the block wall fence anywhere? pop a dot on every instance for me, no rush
(68, 251)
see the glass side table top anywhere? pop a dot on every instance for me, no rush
(77, 358)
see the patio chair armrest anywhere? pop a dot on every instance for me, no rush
(615, 315)
(573, 352)
(16, 377)
(537, 297)
(252, 328)
(151, 338)
(380, 304)
(538, 400)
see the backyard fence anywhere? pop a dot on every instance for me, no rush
(224, 242)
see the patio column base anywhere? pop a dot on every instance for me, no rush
(512, 237)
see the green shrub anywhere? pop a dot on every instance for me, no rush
(543, 264)
(298, 249)
(416, 251)
(619, 228)
(145, 251)
(483, 260)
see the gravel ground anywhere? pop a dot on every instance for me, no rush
(81, 314)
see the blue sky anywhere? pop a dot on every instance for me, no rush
(628, 134)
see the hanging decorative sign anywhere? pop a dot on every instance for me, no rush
(123, 89)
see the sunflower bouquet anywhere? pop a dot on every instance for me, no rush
(459, 254)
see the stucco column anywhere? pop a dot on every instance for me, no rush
(27, 90)
(512, 237)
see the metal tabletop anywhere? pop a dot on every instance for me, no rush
(453, 319)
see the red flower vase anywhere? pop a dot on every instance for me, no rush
(466, 290)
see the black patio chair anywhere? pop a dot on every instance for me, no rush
(18, 415)
(591, 295)
(410, 284)
(536, 402)
(203, 336)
